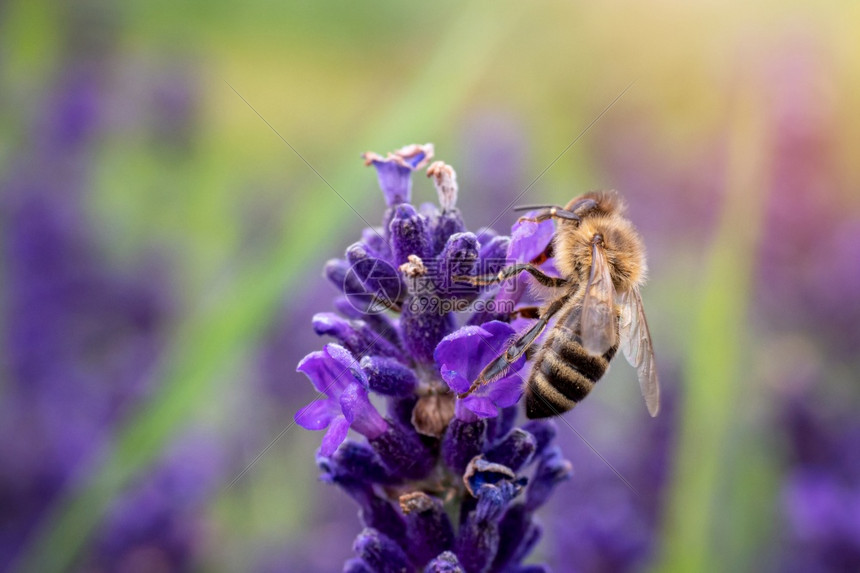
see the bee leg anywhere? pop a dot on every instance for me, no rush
(508, 272)
(576, 211)
(534, 207)
(552, 213)
(583, 206)
(515, 350)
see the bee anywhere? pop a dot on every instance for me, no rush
(595, 303)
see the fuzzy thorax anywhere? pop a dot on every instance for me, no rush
(622, 244)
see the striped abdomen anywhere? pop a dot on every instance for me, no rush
(563, 372)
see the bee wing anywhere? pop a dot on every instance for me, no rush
(637, 348)
(598, 308)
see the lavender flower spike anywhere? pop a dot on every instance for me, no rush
(430, 455)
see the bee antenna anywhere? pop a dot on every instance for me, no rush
(531, 207)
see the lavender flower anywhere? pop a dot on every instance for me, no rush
(820, 496)
(611, 527)
(428, 456)
(346, 405)
(157, 524)
(809, 248)
(395, 171)
(82, 340)
(461, 357)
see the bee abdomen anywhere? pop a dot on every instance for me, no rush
(563, 374)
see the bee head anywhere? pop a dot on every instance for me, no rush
(608, 202)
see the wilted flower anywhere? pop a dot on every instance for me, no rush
(428, 455)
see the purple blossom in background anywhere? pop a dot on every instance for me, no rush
(495, 146)
(809, 278)
(809, 251)
(611, 527)
(820, 495)
(442, 484)
(674, 194)
(157, 525)
(82, 340)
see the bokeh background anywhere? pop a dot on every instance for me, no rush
(162, 250)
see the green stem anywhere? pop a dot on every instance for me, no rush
(694, 540)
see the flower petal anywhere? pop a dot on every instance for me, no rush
(506, 391)
(395, 180)
(319, 369)
(360, 413)
(456, 381)
(416, 155)
(481, 405)
(317, 415)
(335, 436)
(464, 353)
(456, 356)
(331, 369)
(395, 171)
(464, 414)
(529, 239)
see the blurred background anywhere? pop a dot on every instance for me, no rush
(162, 251)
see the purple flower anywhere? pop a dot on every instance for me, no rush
(83, 338)
(611, 528)
(805, 281)
(529, 239)
(336, 373)
(820, 497)
(397, 338)
(158, 522)
(395, 170)
(461, 357)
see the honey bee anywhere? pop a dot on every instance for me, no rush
(595, 303)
